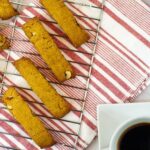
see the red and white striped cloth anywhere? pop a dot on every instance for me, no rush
(121, 68)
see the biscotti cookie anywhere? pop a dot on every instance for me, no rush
(48, 50)
(59, 11)
(23, 114)
(4, 42)
(57, 106)
(6, 10)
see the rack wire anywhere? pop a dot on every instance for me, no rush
(14, 26)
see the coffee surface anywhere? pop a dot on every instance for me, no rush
(136, 137)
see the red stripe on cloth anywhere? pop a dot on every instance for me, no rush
(89, 22)
(127, 50)
(97, 3)
(72, 82)
(5, 137)
(107, 84)
(92, 102)
(85, 119)
(5, 55)
(73, 54)
(119, 50)
(118, 63)
(10, 129)
(113, 75)
(125, 25)
(73, 132)
(129, 9)
(25, 143)
(88, 122)
(103, 92)
(71, 137)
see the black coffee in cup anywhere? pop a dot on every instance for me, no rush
(136, 137)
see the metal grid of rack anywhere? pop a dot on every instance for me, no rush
(13, 27)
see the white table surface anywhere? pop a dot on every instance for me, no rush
(144, 97)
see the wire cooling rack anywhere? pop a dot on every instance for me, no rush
(13, 27)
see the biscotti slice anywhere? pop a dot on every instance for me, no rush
(6, 10)
(57, 106)
(4, 42)
(48, 50)
(23, 114)
(64, 17)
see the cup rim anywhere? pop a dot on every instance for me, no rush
(118, 132)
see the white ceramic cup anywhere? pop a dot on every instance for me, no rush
(123, 127)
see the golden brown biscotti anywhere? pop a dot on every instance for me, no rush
(6, 10)
(48, 50)
(23, 114)
(57, 106)
(59, 11)
(4, 42)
